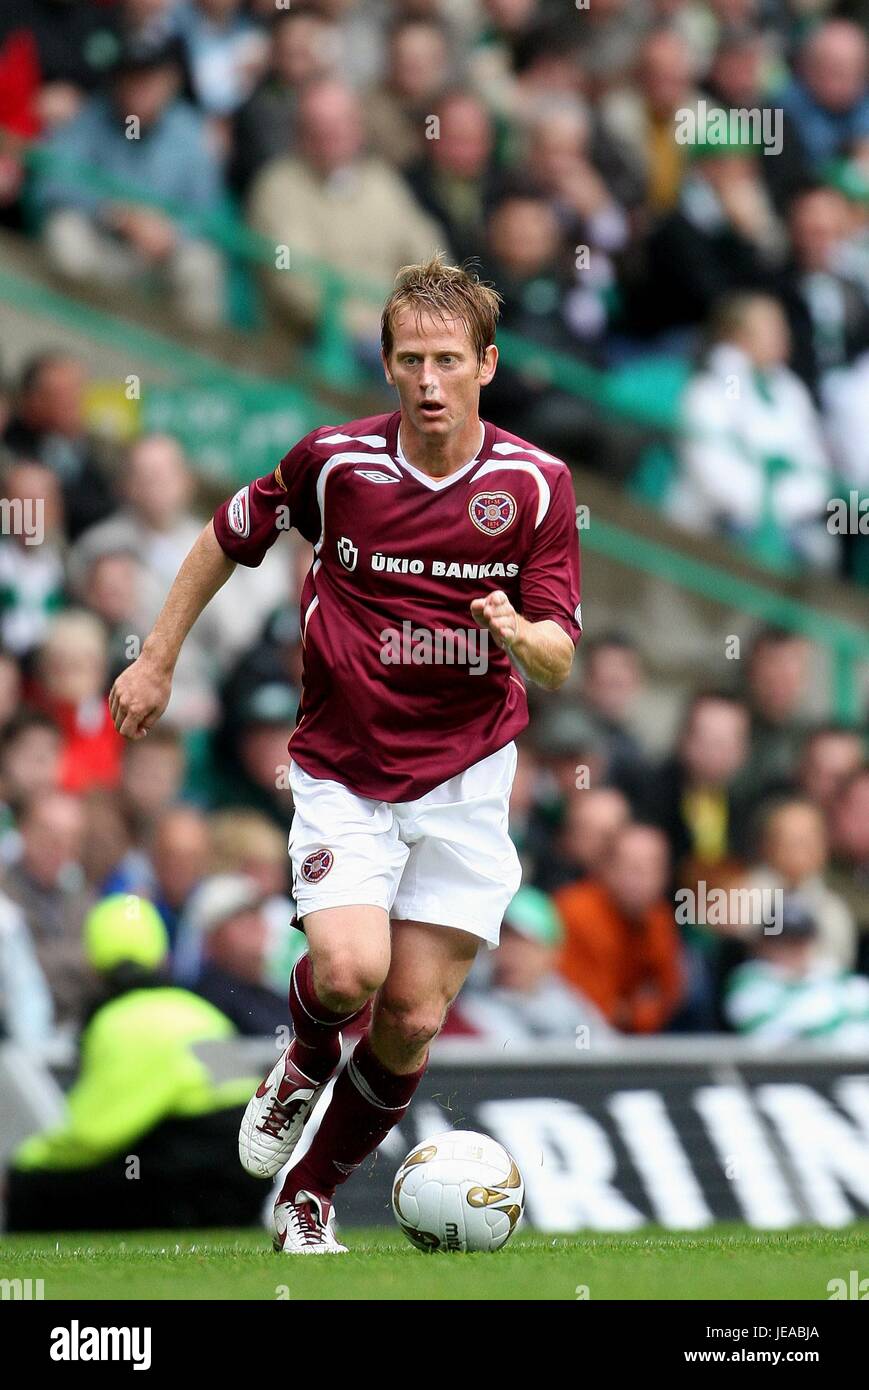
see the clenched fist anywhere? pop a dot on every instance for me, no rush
(139, 696)
(497, 613)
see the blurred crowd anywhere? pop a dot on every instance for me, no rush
(524, 133)
(568, 147)
(751, 798)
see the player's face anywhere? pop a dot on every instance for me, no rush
(434, 368)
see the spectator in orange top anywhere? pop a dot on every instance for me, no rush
(621, 945)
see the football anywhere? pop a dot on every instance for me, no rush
(458, 1191)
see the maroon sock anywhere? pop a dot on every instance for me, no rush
(316, 1047)
(368, 1100)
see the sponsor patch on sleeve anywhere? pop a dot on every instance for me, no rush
(238, 513)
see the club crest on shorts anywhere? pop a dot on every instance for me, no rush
(316, 866)
(492, 512)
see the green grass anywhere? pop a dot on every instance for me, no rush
(724, 1263)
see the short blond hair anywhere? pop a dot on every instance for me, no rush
(447, 292)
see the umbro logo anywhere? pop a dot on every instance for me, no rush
(376, 475)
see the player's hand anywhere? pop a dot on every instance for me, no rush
(496, 613)
(139, 696)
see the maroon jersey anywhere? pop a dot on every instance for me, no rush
(389, 706)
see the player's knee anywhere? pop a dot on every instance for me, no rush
(411, 1023)
(344, 982)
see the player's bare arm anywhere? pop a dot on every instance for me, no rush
(141, 693)
(543, 651)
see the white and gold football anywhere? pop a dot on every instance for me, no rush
(458, 1191)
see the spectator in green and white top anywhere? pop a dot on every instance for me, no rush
(789, 991)
(753, 464)
(31, 561)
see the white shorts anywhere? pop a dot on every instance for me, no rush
(446, 858)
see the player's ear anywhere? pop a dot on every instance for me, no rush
(386, 372)
(488, 364)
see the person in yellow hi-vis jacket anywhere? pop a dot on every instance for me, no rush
(149, 1138)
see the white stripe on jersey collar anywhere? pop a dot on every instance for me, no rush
(436, 483)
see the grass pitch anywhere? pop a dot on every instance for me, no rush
(723, 1263)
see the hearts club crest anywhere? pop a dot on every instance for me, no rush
(317, 865)
(492, 512)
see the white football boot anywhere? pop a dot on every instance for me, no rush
(275, 1117)
(306, 1226)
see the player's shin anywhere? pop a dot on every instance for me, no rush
(367, 1102)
